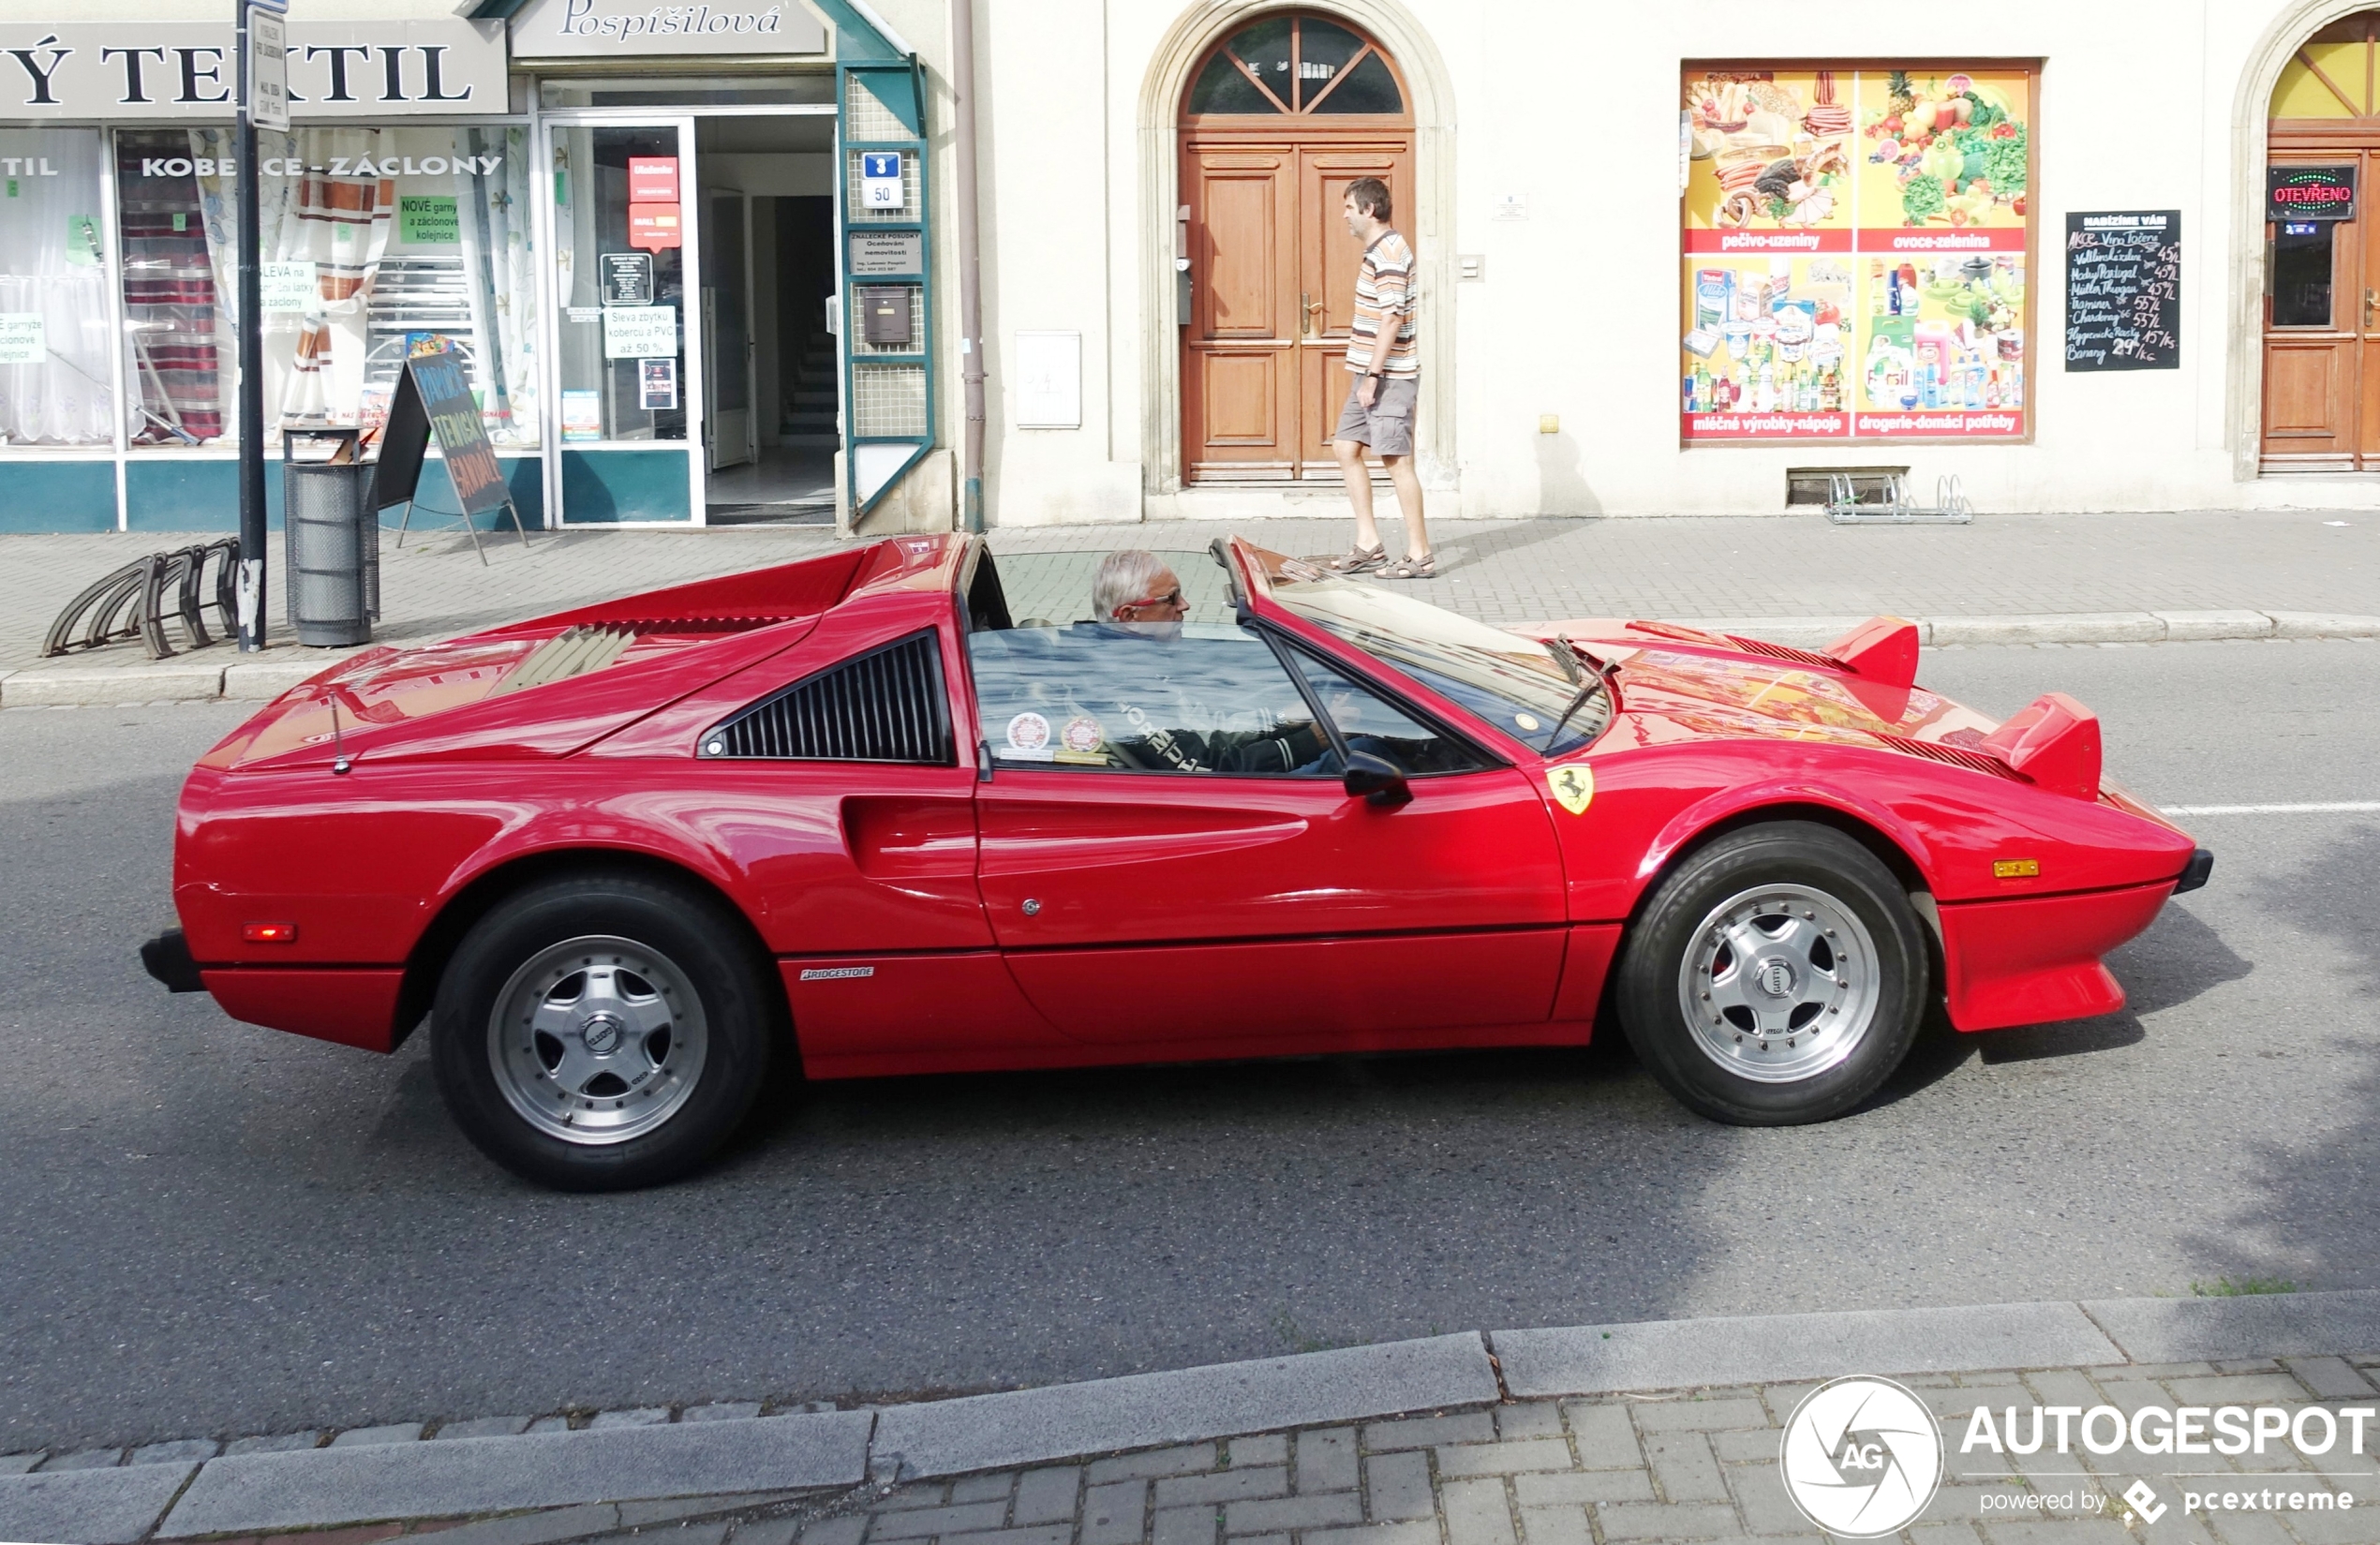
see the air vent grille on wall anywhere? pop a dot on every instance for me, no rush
(887, 705)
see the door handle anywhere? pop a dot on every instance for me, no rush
(1310, 307)
(2370, 303)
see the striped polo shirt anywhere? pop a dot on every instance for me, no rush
(1384, 301)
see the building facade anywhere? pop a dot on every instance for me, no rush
(701, 260)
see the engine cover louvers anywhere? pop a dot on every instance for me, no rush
(885, 706)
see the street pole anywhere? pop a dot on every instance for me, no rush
(251, 324)
(970, 284)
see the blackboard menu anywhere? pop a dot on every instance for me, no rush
(2123, 291)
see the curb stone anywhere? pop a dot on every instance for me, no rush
(1146, 1410)
(1675, 1354)
(90, 1506)
(261, 681)
(618, 1470)
(481, 1475)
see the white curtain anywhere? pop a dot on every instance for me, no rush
(499, 254)
(51, 225)
(314, 360)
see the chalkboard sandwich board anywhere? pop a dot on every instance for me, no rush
(2123, 291)
(434, 397)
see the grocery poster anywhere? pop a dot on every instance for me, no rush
(1856, 253)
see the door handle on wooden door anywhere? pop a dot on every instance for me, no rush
(1308, 307)
(2370, 303)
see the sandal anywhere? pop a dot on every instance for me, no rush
(1359, 561)
(1425, 567)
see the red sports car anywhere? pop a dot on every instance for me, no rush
(852, 812)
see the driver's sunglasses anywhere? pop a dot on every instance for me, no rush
(1171, 598)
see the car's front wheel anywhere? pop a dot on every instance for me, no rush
(1777, 976)
(602, 1031)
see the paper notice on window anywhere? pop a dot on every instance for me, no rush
(288, 286)
(640, 332)
(23, 340)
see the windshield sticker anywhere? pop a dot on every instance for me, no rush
(1029, 732)
(1573, 786)
(1082, 734)
(1527, 722)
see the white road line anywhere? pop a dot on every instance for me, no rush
(2336, 806)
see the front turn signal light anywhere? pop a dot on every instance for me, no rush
(269, 933)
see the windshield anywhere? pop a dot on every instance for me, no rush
(1520, 684)
(1055, 588)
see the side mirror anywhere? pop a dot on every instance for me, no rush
(1376, 780)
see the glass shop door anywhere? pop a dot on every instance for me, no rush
(628, 371)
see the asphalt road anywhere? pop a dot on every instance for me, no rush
(215, 1229)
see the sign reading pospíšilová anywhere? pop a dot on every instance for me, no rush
(434, 397)
(2311, 192)
(2123, 291)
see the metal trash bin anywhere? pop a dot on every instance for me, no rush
(333, 577)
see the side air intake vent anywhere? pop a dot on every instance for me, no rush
(887, 705)
(1785, 651)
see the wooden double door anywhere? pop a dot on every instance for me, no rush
(2322, 326)
(1272, 293)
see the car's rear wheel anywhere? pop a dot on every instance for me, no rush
(1777, 976)
(602, 1031)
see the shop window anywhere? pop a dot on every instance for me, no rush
(1858, 250)
(376, 243)
(1296, 65)
(56, 376)
(619, 222)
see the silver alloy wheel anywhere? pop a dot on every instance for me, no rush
(597, 1040)
(1779, 983)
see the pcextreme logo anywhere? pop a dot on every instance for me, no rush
(1861, 1457)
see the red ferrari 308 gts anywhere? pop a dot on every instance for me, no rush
(851, 810)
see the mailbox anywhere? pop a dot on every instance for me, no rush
(886, 319)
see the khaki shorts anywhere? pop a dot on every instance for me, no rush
(1387, 426)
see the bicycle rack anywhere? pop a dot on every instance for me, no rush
(1844, 506)
(133, 602)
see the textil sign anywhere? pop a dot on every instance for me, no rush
(130, 70)
(626, 29)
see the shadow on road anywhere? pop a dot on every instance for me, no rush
(2311, 1224)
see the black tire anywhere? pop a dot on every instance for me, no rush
(688, 939)
(1823, 865)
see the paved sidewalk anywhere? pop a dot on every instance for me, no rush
(1580, 1435)
(1795, 578)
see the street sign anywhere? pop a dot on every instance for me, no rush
(880, 180)
(268, 66)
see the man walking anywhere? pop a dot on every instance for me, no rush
(1387, 383)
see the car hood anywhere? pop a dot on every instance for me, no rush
(1679, 683)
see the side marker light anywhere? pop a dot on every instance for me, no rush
(2015, 869)
(269, 933)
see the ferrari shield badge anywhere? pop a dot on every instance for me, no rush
(1573, 786)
